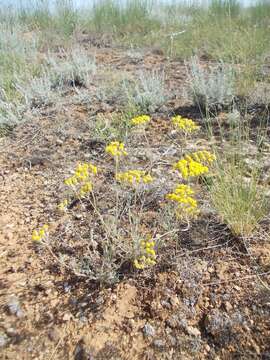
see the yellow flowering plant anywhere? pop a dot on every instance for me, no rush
(147, 257)
(63, 206)
(140, 120)
(187, 126)
(116, 149)
(134, 177)
(40, 234)
(187, 206)
(203, 156)
(121, 214)
(80, 182)
(190, 168)
(194, 164)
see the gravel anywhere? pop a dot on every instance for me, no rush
(14, 307)
(148, 330)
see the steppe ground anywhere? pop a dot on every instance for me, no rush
(71, 85)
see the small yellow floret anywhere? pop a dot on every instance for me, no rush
(203, 156)
(35, 236)
(82, 176)
(184, 124)
(134, 177)
(71, 181)
(63, 205)
(186, 204)
(188, 167)
(116, 148)
(85, 189)
(40, 234)
(140, 120)
(148, 254)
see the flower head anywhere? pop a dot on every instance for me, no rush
(189, 168)
(184, 124)
(147, 256)
(134, 177)
(194, 164)
(203, 156)
(71, 181)
(80, 181)
(82, 174)
(40, 234)
(116, 149)
(186, 204)
(63, 205)
(85, 189)
(140, 120)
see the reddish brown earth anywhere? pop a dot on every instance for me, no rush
(211, 305)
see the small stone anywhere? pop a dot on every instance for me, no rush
(251, 163)
(100, 300)
(228, 306)
(256, 348)
(183, 323)
(83, 319)
(3, 339)
(67, 287)
(67, 317)
(174, 301)
(159, 344)
(172, 340)
(53, 335)
(165, 304)
(173, 322)
(11, 332)
(193, 331)
(81, 352)
(148, 330)
(59, 142)
(14, 307)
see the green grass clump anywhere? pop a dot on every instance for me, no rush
(260, 12)
(240, 200)
(224, 30)
(223, 8)
(38, 15)
(238, 191)
(135, 16)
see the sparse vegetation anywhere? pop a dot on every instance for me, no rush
(239, 198)
(121, 226)
(77, 69)
(211, 88)
(149, 93)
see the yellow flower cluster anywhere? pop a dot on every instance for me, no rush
(82, 176)
(116, 148)
(183, 195)
(41, 233)
(140, 120)
(134, 177)
(82, 173)
(63, 205)
(148, 257)
(203, 156)
(194, 164)
(184, 124)
(86, 188)
(190, 168)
